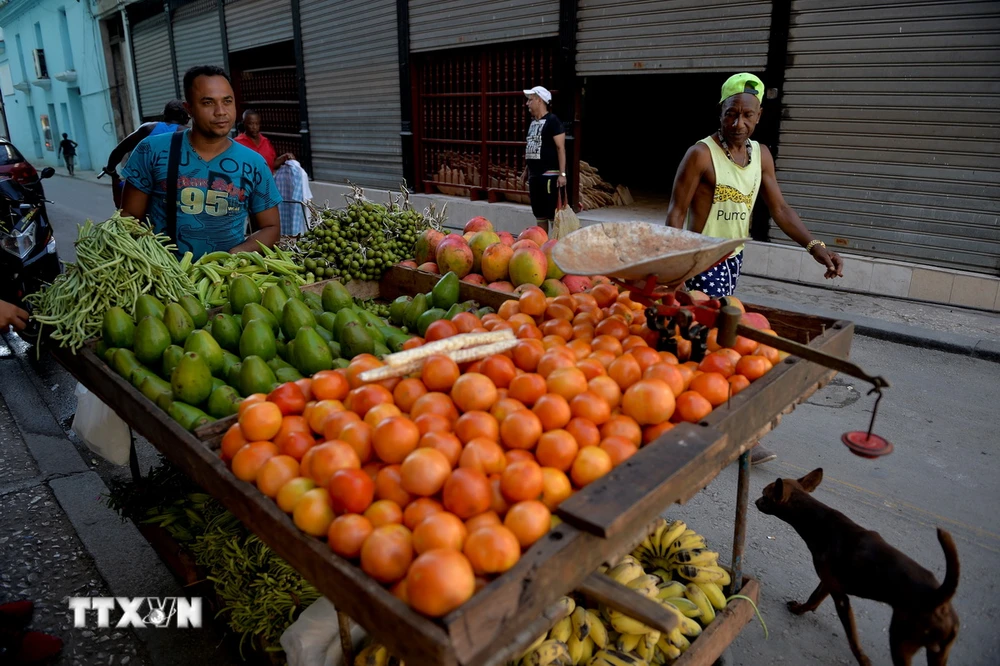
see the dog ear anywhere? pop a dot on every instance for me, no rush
(810, 481)
(782, 490)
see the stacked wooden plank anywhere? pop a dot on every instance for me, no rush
(595, 192)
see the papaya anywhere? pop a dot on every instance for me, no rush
(374, 332)
(203, 344)
(395, 339)
(445, 292)
(171, 357)
(152, 337)
(227, 308)
(101, 348)
(288, 374)
(312, 353)
(216, 383)
(255, 376)
(147, 305)
(194, 308)
(274, 300)
(224, 401)
(290, 288)
(109, 354)
(367, 317)
(233, 376)
(281, 346)
(326, 320)
(226, 329)
(140, 374)
(118, 329)
(191, 418)
(323, 333)
(242, 291)
(427, 318)
(125, 363)
(178, 322)
(157, 390)
(355, 340)
(294, 316)
(191, 380)
(380, 350)
(344, 317)
(335, 297)
(256, 311)
(290, 352)
(335, 350)
(228, 361)
(397, 308)
(258, 340)
(417, 307)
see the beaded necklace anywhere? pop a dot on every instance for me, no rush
(725, 147)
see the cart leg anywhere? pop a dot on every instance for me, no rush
(346, 644)
(133, 458)
(740, 531)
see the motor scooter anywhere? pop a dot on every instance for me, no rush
(28, 259)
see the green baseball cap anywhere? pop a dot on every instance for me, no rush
(744, 82)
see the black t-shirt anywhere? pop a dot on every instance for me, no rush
(68, 147)
(541, 149)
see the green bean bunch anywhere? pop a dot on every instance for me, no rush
(117, 261)
(212, 272)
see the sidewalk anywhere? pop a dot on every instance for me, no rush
(86, 176)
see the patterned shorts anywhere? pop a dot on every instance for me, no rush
(719, 280)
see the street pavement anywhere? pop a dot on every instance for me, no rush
(58, 539)
(76, 199)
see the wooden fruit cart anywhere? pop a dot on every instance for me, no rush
(601, 522)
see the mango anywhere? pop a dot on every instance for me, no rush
(256, 311)
(203, 344)
(118, 329)
(255, 376)
(397, 309)
(355, 340)
(224, 401)
(157, 390)
(312, 353)
(147, 305)
(478, 244)
(274, 300)
(226, 329)
(455, 255)
(335, 297)
(294, 316)
(171, 357)
(445, 292)
(242, 291)
(124, 363)
(189, 417)
(344, 317)
(194, 308)
(495, 261)
(179, 323)
(527, 266)
(288, 374)
(191, 380)
(151, 339)
(258, 340)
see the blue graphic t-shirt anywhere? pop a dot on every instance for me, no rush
(213, 198)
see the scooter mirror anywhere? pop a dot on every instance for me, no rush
(47, 172)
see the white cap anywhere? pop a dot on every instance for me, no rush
(542, 93)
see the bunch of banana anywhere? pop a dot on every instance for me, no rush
(376, 655)
(612, 657)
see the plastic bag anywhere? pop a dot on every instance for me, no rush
(100, 428)
(566, 221)
(314, 638)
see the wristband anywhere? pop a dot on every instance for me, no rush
(814, 243)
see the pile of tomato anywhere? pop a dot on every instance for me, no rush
(437, 481)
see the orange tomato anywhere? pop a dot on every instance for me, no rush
(395, 438)
(424, 472)
(439, 373)
(364, 398)
(607, 388)
(465, 322)
(625, 370)
(567, 382)
(591, 406)
(619, 448)
(485, 519)
(359, 435)
(500, 369)
(527, 354)
(387, 553)
(620, 425)
(557, 449)
(521, 430)
(505, 406)
(384, 512)
(249, 460)
(713, 386)
(444, 442)
(527, 388)
(289, 398)
(591, 464)
(692, 407)
(232, 442)
(327, 458)
(275, 473)
(607, 343)
(435, 403)
(653, 432)
(348, 533)
(529, 521)
(753, 367)
(466, 493)
(351, 491)
(532, 302)
(474, 392)
(555, 487)
(738, 382)
(440, 329)
(329, 385)
(718, 362)
(473, 424)
(584, 432)
(553, 360)
(419, 509)
(313, 513)
(553, 411)
(379, 413)
(492, 549)
(292, 491)
(484, 455)
(250, 400)
(388, 486)
(439, 581)
(432, 423)
(521, 480)
(439, 530)
(649, 401)
(261, 421)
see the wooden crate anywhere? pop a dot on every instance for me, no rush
(599, 520)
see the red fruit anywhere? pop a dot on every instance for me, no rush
(429, 267)
(478, 223)
(426, 245)
(577, 283)
(536, 234)
(351, 490)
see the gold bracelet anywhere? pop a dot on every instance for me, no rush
(814, 243)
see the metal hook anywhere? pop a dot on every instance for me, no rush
(871, 425)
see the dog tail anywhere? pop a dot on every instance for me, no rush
(950, 584)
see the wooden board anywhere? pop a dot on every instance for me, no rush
(501, 618)
(727, 625)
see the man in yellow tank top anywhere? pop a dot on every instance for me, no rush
(717, 184)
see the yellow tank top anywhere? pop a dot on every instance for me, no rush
(736, 190)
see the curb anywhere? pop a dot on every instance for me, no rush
(913, 336)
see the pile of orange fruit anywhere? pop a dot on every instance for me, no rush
(439, 480)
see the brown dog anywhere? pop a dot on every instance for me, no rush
(851, 560)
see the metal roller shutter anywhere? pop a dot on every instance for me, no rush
(671, 36)
(890, 143)
(153, 67)
(352, 89)
(437, 24)
(252, 23)
(197, 36)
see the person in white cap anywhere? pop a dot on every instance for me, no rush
(545, 156)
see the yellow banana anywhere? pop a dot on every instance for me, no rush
(685, 605)
(581, 623)
(671, 651)
(562, 630)
(575, 647)
(714, 594)
(725, 578)
(696, 574)
(378, 656)
(690, 532)
(588, 651)
(696, 556)
(623, 624)
(615, 658)
(625, 571)
(696, 541)
(538, 641)
(700, 599)
(598, 632)
(549, 652)
(569, 605)
(645, 585)
(688, 626)
(663, 540)
(643, 650)
(628, 642)
(671, 589)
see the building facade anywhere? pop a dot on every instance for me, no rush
(883, 119)
(53, 81)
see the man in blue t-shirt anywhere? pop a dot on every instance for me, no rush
(219, 182)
